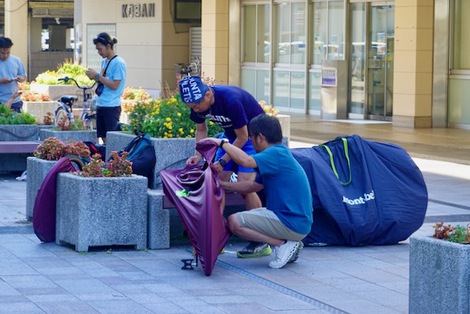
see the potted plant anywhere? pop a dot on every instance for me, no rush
(440, 271)
(166, 120)
(48, 82)
(68, 131)
(38, 166)
(102, 205)
(16, 126)
(284, 119)
(36, 104)
(129, 98)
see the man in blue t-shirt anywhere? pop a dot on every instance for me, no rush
(287, 217)
(112, 77)
(12, 72)
(232, 108)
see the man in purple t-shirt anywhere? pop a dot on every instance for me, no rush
(232, 108)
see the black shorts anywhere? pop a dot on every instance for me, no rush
(17, 106)
(107, 119)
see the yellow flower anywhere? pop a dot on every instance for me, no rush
(168, 119)
(179, 114)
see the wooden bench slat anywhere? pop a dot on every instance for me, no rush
(18, 147)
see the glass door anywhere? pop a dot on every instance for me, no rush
(357, 60)
(371, 61)
(380, 62)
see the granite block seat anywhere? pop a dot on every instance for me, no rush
(164, 223)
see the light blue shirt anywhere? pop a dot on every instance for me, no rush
(10, 68)
(116, 71)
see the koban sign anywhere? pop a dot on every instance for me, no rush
(138, 10)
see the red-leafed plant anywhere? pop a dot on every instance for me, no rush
(117, 166)
(457, 234)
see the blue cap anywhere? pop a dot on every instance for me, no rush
(192, 89)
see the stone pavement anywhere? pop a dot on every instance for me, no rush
(46, 278)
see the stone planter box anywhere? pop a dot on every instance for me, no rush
(55, 91)
(21, 132)
(171, 153)
(284, 119)
(39, 109)
(439, 276)
(37, 170)
(101, 211)
(124, 118)
(64, 136)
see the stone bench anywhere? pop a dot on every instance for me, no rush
(164, 223)
(13, 154)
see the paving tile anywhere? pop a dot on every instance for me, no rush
(43, 278)
(20, 308)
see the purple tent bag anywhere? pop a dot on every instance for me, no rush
(44, 212)
(197, 195)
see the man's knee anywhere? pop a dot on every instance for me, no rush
(233, 223)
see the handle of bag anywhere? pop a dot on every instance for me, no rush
(332, 161)
(207, 149)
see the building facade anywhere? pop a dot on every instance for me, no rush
(403, 61)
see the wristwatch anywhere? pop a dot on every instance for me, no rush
(222, 162)
(222, 142)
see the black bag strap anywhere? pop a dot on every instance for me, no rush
(107, 65)
(78, 161)
(133, 144)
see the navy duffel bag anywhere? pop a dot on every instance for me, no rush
(364, 192)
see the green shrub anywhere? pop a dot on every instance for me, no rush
(67, 68)
(8, 116)
(166, 117)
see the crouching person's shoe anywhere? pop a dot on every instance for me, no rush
(255, 249)
(288, 252)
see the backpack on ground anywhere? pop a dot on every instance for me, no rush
(96, 149)
(142, 155)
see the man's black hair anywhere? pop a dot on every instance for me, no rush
(268, 126)
(105, 39)
(5, 42)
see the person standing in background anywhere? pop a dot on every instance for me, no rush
(12, 72)
(111, 82)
